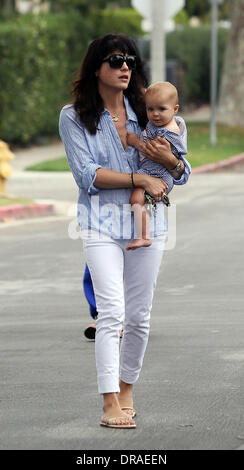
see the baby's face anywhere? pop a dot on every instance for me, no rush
(160, 110)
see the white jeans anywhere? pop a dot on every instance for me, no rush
(123, 282)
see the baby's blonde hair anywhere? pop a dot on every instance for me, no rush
(166, 88)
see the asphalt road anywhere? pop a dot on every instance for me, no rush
(190, 392)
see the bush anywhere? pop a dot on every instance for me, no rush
(38, 54)
(125, 20)
(191, 47)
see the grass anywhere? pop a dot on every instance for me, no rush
(61, 164)
(9, 201)
(230, 141)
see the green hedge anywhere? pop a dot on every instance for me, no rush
(126, 21)
(38, 55)
(191, 46)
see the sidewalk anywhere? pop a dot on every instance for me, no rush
(52, 192)
(201, 114)
(32, 155)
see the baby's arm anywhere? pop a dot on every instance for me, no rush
(135, 141)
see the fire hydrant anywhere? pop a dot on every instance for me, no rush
(5, 168)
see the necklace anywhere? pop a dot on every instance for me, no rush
(116, 117)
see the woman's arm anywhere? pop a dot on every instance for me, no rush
(109, 179)
(81, 162)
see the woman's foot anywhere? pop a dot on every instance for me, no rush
(126, 399)
(113, 416)
(138, 243)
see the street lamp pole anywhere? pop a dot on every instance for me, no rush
(157, 12)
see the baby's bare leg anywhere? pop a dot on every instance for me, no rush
(142, 220)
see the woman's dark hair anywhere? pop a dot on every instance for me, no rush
(87, 101)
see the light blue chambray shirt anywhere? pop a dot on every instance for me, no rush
(106, 210)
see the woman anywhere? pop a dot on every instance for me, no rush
(108, 103)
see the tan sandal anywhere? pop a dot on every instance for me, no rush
(111, 422)
(129, 408)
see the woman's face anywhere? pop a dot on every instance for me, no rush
(118, 79)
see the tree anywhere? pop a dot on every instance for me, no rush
(197, 7)
(8, 6)
(231, 102)
(202, 8)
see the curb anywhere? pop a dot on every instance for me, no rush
(221, 165)
(21, 211)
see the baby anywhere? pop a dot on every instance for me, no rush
(161, 100)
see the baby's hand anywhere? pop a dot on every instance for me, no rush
(134, 141)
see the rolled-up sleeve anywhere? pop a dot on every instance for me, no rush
(185, 175)
(81, 161)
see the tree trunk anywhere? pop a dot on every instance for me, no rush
(231, 101)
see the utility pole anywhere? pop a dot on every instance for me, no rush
(158, 61)
(213, 72)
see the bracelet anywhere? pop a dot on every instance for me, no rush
(177, 167)
(132, 181)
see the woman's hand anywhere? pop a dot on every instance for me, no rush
(159, 151)
(156, 187)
